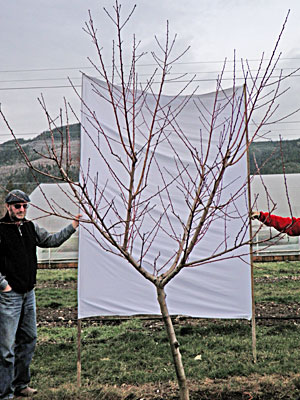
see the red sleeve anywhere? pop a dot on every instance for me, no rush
(291, 226)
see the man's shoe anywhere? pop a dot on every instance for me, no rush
(27, 392)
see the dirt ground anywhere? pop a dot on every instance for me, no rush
(266, 313)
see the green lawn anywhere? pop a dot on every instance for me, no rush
(126, 360)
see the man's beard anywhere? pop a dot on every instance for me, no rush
(14, 218)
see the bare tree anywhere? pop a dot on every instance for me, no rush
(126, 222)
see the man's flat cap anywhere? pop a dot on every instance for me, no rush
(17, 196)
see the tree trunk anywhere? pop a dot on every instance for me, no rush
(183, 388)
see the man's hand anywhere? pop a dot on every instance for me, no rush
(75, 221)
(7, 289)
(255, 214)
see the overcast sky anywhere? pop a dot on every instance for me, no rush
(43, 43)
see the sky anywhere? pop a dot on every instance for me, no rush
(43, 44)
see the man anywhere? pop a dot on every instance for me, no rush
(18, 264)
(290, 226)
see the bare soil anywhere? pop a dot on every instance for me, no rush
(266, 312)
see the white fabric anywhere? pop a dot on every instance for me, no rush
(107, 284)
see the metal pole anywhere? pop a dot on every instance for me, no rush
(253, 321)
(79, 353)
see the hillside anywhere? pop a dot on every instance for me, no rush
(269, 157)
(13, 170)
(14, 173)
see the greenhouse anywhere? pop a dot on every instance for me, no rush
(283, 193)
(49, 198)
(281, 198)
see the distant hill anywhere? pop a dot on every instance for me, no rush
(269, 156)
(15, 174)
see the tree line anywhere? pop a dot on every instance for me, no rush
(274, 157)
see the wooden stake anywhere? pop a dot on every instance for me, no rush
(79, 353)
(253, 321)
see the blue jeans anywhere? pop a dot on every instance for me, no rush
(17, 340)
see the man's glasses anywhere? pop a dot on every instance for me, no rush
(18, 206)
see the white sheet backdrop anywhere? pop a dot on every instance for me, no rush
(108, 285)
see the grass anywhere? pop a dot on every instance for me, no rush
(281, 289)
(277, 269)
(281, 292)
(51, 297)
(128, 354)
(55, 298)
(131, 359)
(50, 275)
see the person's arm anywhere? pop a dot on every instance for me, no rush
(291, 226)
(46, 239)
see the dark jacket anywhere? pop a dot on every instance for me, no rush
(18, 261)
